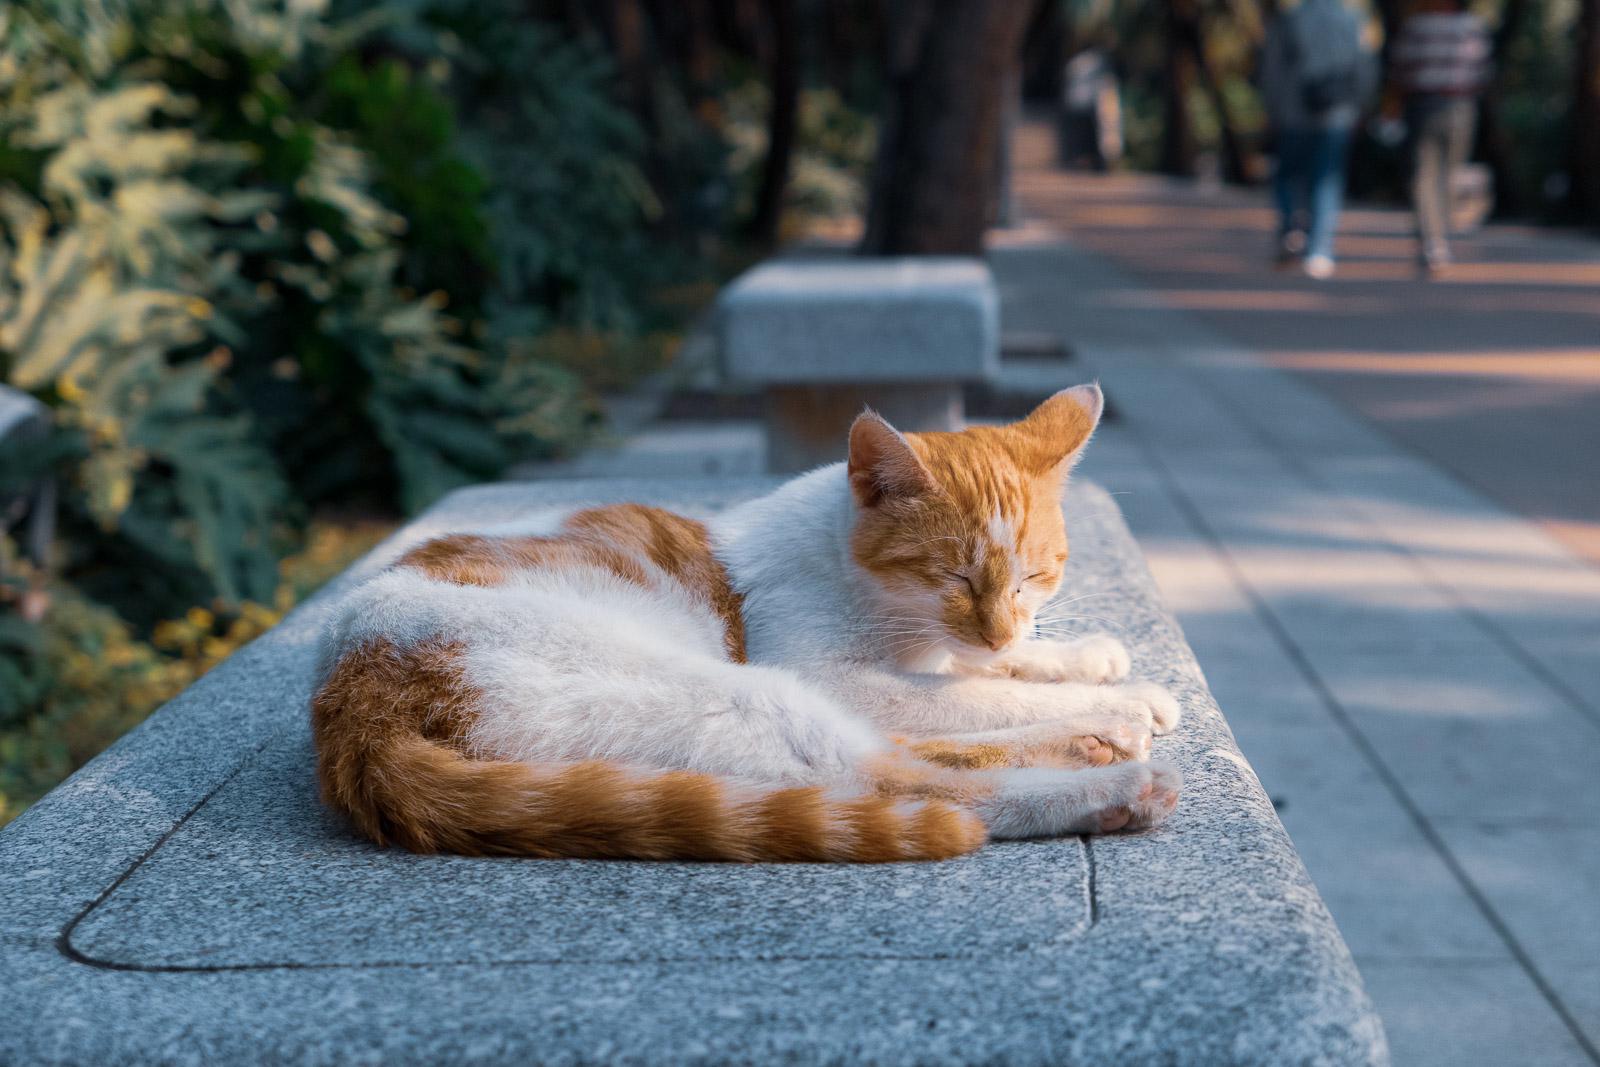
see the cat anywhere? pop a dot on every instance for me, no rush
(844, 670)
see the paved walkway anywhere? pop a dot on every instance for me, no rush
(1492, 372)
(1412, 669)
(1411, 665)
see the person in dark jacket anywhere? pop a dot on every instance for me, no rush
(1316, 72)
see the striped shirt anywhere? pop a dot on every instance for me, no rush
(1441, 54)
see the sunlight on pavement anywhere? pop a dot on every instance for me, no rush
(1564, 365)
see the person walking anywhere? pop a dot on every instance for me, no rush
(1441, 64)
(1316, 71)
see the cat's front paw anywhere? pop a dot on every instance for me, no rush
(1096, 660)
(1100, 659)
(1148, 703)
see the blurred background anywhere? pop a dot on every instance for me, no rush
(275, 274)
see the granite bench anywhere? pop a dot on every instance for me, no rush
(825, 337)
(185, 899)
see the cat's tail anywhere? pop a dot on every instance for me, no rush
(428, 797)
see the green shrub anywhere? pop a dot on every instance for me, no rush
(268, 259)
(257, 274)
(103, 678)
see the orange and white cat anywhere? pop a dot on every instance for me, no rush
(843, 670)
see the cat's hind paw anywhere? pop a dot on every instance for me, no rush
(1153, 789)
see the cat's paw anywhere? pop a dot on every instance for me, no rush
(1127, 741)
(1150, 703)
(1149, 794)
(1099, 660)
(1094, 660)
(1088, 750)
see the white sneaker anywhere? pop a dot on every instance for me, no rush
(1319, 267)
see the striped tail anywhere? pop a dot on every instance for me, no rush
(427, 797)
(384, 722)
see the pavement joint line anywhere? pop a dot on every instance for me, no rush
(1419, 563)
(1369, 751)
(1212, 340)
(63, 940)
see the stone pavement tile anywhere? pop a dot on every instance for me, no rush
(1170, 409)
(1473, 736)
(1457, 1014)
(1391, 894)
(1526, 585)
(1294, 416)
(1356, 599)
(1579, 984)
(1319, 566)
(1543, 879)
(1259, 689)
(1416, 491)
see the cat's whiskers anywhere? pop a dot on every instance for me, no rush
(1073, 618)
(1058, 602)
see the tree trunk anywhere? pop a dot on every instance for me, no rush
(1003, 209)
(626, 27)
(851, 39)
(1584, 135)
(1498, 150)
(1044, 55)
(782, 122)
(1233, 163)
(1178, 149)
(933, 179)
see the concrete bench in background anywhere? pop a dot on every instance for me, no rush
(185, 899)
(826, 337)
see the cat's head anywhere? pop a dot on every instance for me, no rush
(961, 533)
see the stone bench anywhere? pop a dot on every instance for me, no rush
(826, 337)
(186, 899)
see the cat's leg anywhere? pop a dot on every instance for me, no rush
(653, 705)
(930, 704)
(1040, 745)
(1095, 660)
(1042, 801)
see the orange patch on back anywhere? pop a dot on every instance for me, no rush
(677, 545)
(632, 541)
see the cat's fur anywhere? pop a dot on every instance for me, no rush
(844, 669)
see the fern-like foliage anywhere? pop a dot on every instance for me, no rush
(256, 275)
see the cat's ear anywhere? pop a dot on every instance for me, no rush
(1059, 428)
(882, 465)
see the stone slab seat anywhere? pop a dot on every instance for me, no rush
(825, 337)
(185, 899)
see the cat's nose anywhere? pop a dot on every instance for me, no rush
(995, 643)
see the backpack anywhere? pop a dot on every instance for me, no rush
(1325, 47)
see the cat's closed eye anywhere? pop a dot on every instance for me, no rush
(958, 576)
